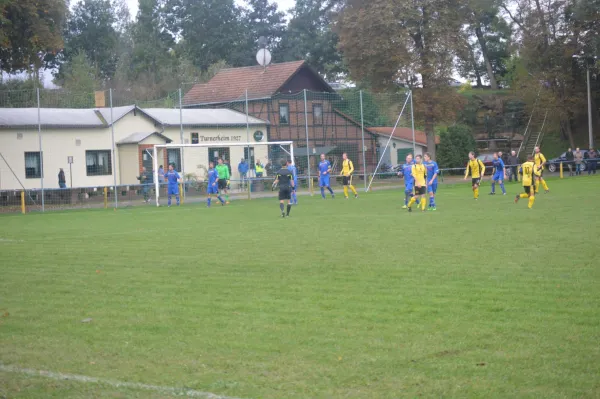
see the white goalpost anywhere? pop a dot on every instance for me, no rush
(286, 147)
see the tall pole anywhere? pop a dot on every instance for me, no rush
(589, 96)
(362, 127)
(412, 121)
(114, 158)
(247, 136)
(181, 139)
(307, 144)
(40, 144)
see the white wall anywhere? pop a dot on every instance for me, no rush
(391, 155)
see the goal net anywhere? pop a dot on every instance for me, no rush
(252, 165)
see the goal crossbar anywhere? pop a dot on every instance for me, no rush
(207, 145)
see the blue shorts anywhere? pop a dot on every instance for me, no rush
(498, 176)
(324, 181)
(432, 188)
(212, 189)
(173, 190)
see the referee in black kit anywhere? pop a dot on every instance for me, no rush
(285, 179)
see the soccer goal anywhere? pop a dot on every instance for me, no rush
(250, 164)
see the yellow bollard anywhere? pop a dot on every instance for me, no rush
(561, 170)
(311, 186)
(23, 202)
(105, 197)
(181, 198)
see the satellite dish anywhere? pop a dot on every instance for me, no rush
(263, 56)
(262, 42)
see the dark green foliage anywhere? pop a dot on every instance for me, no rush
(455, 144)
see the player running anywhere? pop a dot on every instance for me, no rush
(347, 170)
(432, 182)
(173, 179)
(419, 173)
(285, 179)
(477, 169)
(529, 172)
(409, 181)
(292, 168)
(223, 181)
(324, 175)
(213, 181)
(499, 174)
(540, 160)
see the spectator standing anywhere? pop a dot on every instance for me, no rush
(161, 175)
(593, 161)
(513, 165)
(578, 161)
(145, 179)
(62, 180)
(243, 170)
(570, 157)
(260, 168)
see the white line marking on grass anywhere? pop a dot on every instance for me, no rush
(9, 240)
(192, 393)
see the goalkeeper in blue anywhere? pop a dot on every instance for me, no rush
(173, 180)
(213, 185)
(432, 179)
(499, 174)
(292, 168)
(409, 180)
(324, 176)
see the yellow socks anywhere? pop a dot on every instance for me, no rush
(531, 201)
(412, 201)
(353, 189)
(476, 192)
(423, 201)
(346, 191)
(544, 184)
(524, 195)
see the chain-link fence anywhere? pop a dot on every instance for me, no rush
(93, 149)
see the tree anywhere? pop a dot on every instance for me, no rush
(386, 41)
(210, 30)
(310, 37)
(455, 143)
(261, 18)
(80, 81)
(30, 29)
(92, 29)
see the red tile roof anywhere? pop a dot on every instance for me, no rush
(402, 133)
(230, 84)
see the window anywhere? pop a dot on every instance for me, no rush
(174, 157)
(33, 165)
(317, 114)
(284, 114)
(98, 162)
(195, 138)
(249, 156)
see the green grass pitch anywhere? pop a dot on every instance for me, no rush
(345, 299)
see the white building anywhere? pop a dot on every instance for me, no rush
(401, 143)
(84, 137)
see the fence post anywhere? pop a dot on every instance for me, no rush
(23, 202)
(245, 179)
(105, 197)
(561, 170)
(39, 116)
(307, 144)
(114, 158)
(181, 138)
(362, 127)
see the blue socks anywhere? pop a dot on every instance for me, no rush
(330, 190)
(208, 201)
(323, 192)
(502, 187)
(494, 187)
(220, 199)
(294, 199)
(432, 202)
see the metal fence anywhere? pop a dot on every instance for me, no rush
(56, 140)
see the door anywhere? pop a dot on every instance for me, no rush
(214, 153)
(147, 161)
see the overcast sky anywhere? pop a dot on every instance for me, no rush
(284, 5)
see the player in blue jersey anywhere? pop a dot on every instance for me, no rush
(409, 180)
(432, 182)
(499, 174)
(292, 168)
(324, 175)
(213, 182)
(173, 179)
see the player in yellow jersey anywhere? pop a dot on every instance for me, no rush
(419, 173)
(539, 161)
(477, 169)
(529, 172)
(347, 170)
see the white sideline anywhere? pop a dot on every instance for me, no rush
(191, 393)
